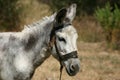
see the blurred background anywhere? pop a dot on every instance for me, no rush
(98, 26)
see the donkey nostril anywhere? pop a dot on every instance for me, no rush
(72, 67)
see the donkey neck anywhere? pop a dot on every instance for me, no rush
(36, 40)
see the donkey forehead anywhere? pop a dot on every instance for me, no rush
(67, 31)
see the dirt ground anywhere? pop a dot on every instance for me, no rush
(97, 63)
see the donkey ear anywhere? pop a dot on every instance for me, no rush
(61, 15)
(71, 12)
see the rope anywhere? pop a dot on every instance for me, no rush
(61, 68)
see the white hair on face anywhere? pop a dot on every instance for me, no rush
(70, 35)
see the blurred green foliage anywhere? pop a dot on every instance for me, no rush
(109, 20)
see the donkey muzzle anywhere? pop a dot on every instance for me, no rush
(71, 63)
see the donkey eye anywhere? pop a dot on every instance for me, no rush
(61, 39)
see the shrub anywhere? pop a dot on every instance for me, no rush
(109, 21)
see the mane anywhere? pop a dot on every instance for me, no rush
(39, 23)
(37, 29)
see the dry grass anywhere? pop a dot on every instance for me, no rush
(88, 29)
(96, 64)
(33, 11)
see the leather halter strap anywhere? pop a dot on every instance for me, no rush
(69, 55)
(61, 57)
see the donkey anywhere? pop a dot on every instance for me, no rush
(22, 52)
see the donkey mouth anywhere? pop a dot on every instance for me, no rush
(72, 69)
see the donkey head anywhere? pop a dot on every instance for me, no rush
(64, 37)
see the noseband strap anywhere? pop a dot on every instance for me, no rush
(69, 55)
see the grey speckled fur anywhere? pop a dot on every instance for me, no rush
(21, 52)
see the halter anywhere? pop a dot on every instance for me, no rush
(61, 57)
